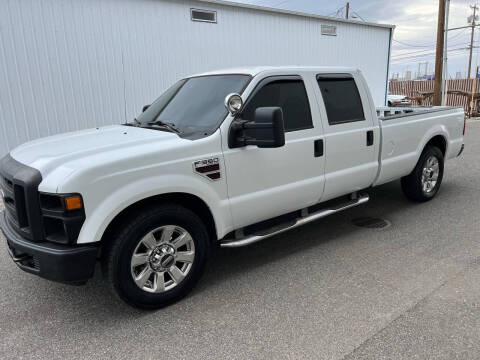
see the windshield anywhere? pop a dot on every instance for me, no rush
(194, 106)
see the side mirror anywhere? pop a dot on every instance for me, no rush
(145, 107)
(265, 131)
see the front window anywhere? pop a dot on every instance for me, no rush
(194, 107)
(291, 96)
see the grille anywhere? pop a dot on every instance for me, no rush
(19, 185)
(9, 199)
(14, 201)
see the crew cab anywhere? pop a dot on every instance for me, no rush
(222, 158)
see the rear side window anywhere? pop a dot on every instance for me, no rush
(291, 96)
(342, 99)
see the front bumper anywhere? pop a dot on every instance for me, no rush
(67, 264)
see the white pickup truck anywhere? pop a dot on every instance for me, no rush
(226, 157)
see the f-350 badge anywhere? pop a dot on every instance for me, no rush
(209, 168)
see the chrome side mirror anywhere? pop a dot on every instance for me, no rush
(234, 103)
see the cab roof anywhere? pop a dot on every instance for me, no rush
(256, 70)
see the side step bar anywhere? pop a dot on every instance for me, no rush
(247, 240)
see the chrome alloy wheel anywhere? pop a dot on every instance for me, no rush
(430, 172)
(162, 259)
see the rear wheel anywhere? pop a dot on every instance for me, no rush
(157, 258)
(423, 183)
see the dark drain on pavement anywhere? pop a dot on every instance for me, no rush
(371, 223)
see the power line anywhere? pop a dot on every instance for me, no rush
(336, 11)
(358, 15)
(458, 34)
(339, 13)
(411, 45)
(421, 56)
(428, 45)
(416, 60)
(420, 51)
(428, 53)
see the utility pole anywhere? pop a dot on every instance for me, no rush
(445, 56)
(437, 87)
(474, 8)
(347, 10)
(474, 89)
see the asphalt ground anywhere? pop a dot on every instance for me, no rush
(328, 290)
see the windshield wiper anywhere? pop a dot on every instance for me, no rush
(167, 125)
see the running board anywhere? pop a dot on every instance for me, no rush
(247, 240)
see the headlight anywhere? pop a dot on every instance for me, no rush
(63, 216)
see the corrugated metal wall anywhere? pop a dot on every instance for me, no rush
(72, 64)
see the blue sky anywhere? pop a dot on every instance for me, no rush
(415, 33)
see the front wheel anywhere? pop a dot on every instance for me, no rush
(423, 183)
(157, 257)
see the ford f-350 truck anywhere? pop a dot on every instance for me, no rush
(227, 157)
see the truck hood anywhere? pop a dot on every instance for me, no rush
(53, 152)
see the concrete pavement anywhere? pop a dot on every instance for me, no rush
(329, 290)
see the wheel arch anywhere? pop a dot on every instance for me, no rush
(439, 141)
(189, 201)
(437, 136)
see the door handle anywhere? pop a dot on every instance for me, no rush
(370, 138)
(318, 148)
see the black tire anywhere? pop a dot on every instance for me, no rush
(412, 184)
(122, 243)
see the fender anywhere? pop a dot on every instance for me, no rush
(436, 130)
(99, 218)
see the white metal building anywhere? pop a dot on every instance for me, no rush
(73, 64)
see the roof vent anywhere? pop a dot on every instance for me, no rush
(203, 15)
(330, 30)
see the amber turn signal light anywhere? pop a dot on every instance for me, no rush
(73, 202)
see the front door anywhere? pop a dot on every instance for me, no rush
(264, 183)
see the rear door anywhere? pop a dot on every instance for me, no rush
(264, 183)
(351, 157)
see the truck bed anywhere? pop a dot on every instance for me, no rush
(405, 132)
(388, 113)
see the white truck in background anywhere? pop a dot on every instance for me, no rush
(398, 100)
(227, 157)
